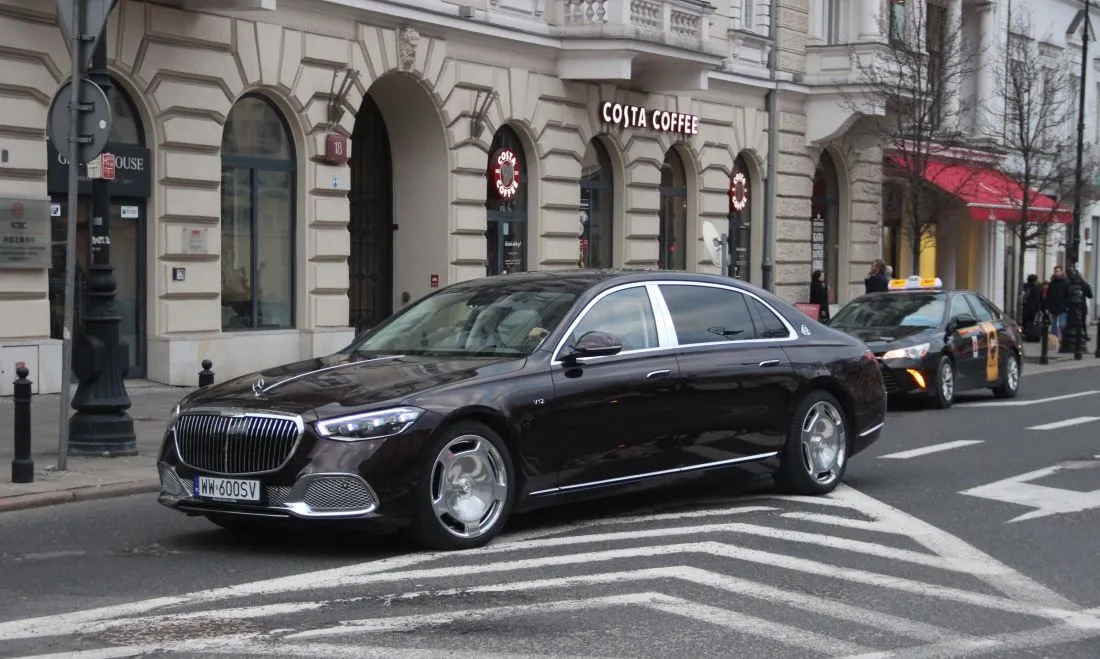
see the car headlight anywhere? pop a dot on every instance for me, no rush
(369, 425)
(912, 352)
(173, 416)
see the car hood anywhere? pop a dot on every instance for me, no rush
(881, 339)
(342, 383)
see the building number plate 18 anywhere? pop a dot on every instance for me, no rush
(228, 489)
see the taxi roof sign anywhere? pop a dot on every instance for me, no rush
(914, 283)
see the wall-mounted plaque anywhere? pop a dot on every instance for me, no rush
(24, 233)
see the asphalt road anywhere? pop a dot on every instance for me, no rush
(966, 532)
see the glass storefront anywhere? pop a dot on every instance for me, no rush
(673, 214)
(506, 205)
(596, 246)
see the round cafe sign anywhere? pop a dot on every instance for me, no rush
(739, 191)
(505, 172)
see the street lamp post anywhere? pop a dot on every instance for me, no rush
(101, 424)
(1076, 318)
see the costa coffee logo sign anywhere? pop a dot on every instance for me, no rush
(632, 116)
(505, 170)
(739, 191)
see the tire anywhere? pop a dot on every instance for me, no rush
(807, 449)
(447, 496)
(1010, 380)
(945, 370)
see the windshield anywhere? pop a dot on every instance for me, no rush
(499, 320)
(892, 310)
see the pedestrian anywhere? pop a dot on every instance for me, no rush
(876, 280)
(1057, 302)
(1031, 308)
(819, 294)
(889, 272)
(1073, 276)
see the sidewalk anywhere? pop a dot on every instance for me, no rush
(85, 477)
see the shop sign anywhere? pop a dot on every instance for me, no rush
(632, 116)
(24, 233)
(132, 176)
(129, 212)
(336, 149)
(505, 173)
(739, 191)
(817, 243)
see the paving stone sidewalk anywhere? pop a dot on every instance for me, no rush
(85, 477)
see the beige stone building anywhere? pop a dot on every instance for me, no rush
(485, 136)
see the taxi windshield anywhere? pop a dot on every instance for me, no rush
(892, 310)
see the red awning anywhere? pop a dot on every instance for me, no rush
(989, 194)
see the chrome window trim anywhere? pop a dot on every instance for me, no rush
(555, 359)
(299, 422)
(666, 332)
(792, 335)
(652, 474)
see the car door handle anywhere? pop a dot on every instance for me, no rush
(768, 363)
(652, 375)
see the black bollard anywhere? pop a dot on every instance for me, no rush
(22, 467)
(206, 376)
(1044, 338)
(1097, 354)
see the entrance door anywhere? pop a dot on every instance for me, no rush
(127, 224)
(505, 236)
(370, 266)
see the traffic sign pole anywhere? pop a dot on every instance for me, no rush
(77, 48)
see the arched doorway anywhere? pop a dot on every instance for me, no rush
(672, 232)
(370, 265)
(825, 224)
(259, 172)
(506, 204)
(597, 197)
(740, 229)
(129, 194)
(400, 200)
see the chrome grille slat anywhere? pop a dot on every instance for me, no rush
(236, 444)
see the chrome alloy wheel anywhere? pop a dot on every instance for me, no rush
(1012, 373)
(469, 486)
(947, 380)
(824, 442)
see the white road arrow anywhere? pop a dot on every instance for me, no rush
(1046, 500)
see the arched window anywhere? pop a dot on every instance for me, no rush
(672, 230)
(506, 204)
(825, 224)
(125, 121)
(597, 195)
(741, 221)
(258, 209)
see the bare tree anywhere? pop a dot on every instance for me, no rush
(914, 78)
(1036, 116)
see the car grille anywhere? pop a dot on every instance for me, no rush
(247, 444)
(334, 493)
(890, 381)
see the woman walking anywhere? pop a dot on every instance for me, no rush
(819, 295)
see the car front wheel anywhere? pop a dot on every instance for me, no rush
(1010, 381)
(466, 494)
(816, 452)
(944, 395)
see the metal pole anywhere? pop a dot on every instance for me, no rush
(1075, 240)
(766, 264)
(70, 241)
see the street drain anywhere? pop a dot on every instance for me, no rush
(167, 631)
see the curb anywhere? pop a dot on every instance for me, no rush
(85, 493)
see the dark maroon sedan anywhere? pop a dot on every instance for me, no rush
(514, 392)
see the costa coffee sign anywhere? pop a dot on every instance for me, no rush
(739, 191)
(505, 172)
(632, 116)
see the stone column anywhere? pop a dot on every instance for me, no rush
(988, 107)
(870, 15)
(953, 30)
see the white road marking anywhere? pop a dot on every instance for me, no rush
(1065, 423)
(1046, 500)
(1000, 644)
(743, 623)
(524, 538)
(933, 448)
(1027, 403)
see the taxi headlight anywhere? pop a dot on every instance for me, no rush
(912, 352)
(369, 425)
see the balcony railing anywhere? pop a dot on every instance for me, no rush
(683, 23)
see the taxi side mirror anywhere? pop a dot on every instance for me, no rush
(962, 321)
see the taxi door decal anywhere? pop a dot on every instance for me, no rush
(992, 354)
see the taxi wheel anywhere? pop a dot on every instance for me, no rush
(944, 394)
(1010, 381)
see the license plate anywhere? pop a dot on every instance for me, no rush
(227, 489)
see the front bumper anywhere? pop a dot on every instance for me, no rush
(312, 496)
(905, 378)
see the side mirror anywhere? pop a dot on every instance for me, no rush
(962, 322)
(593, 344)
